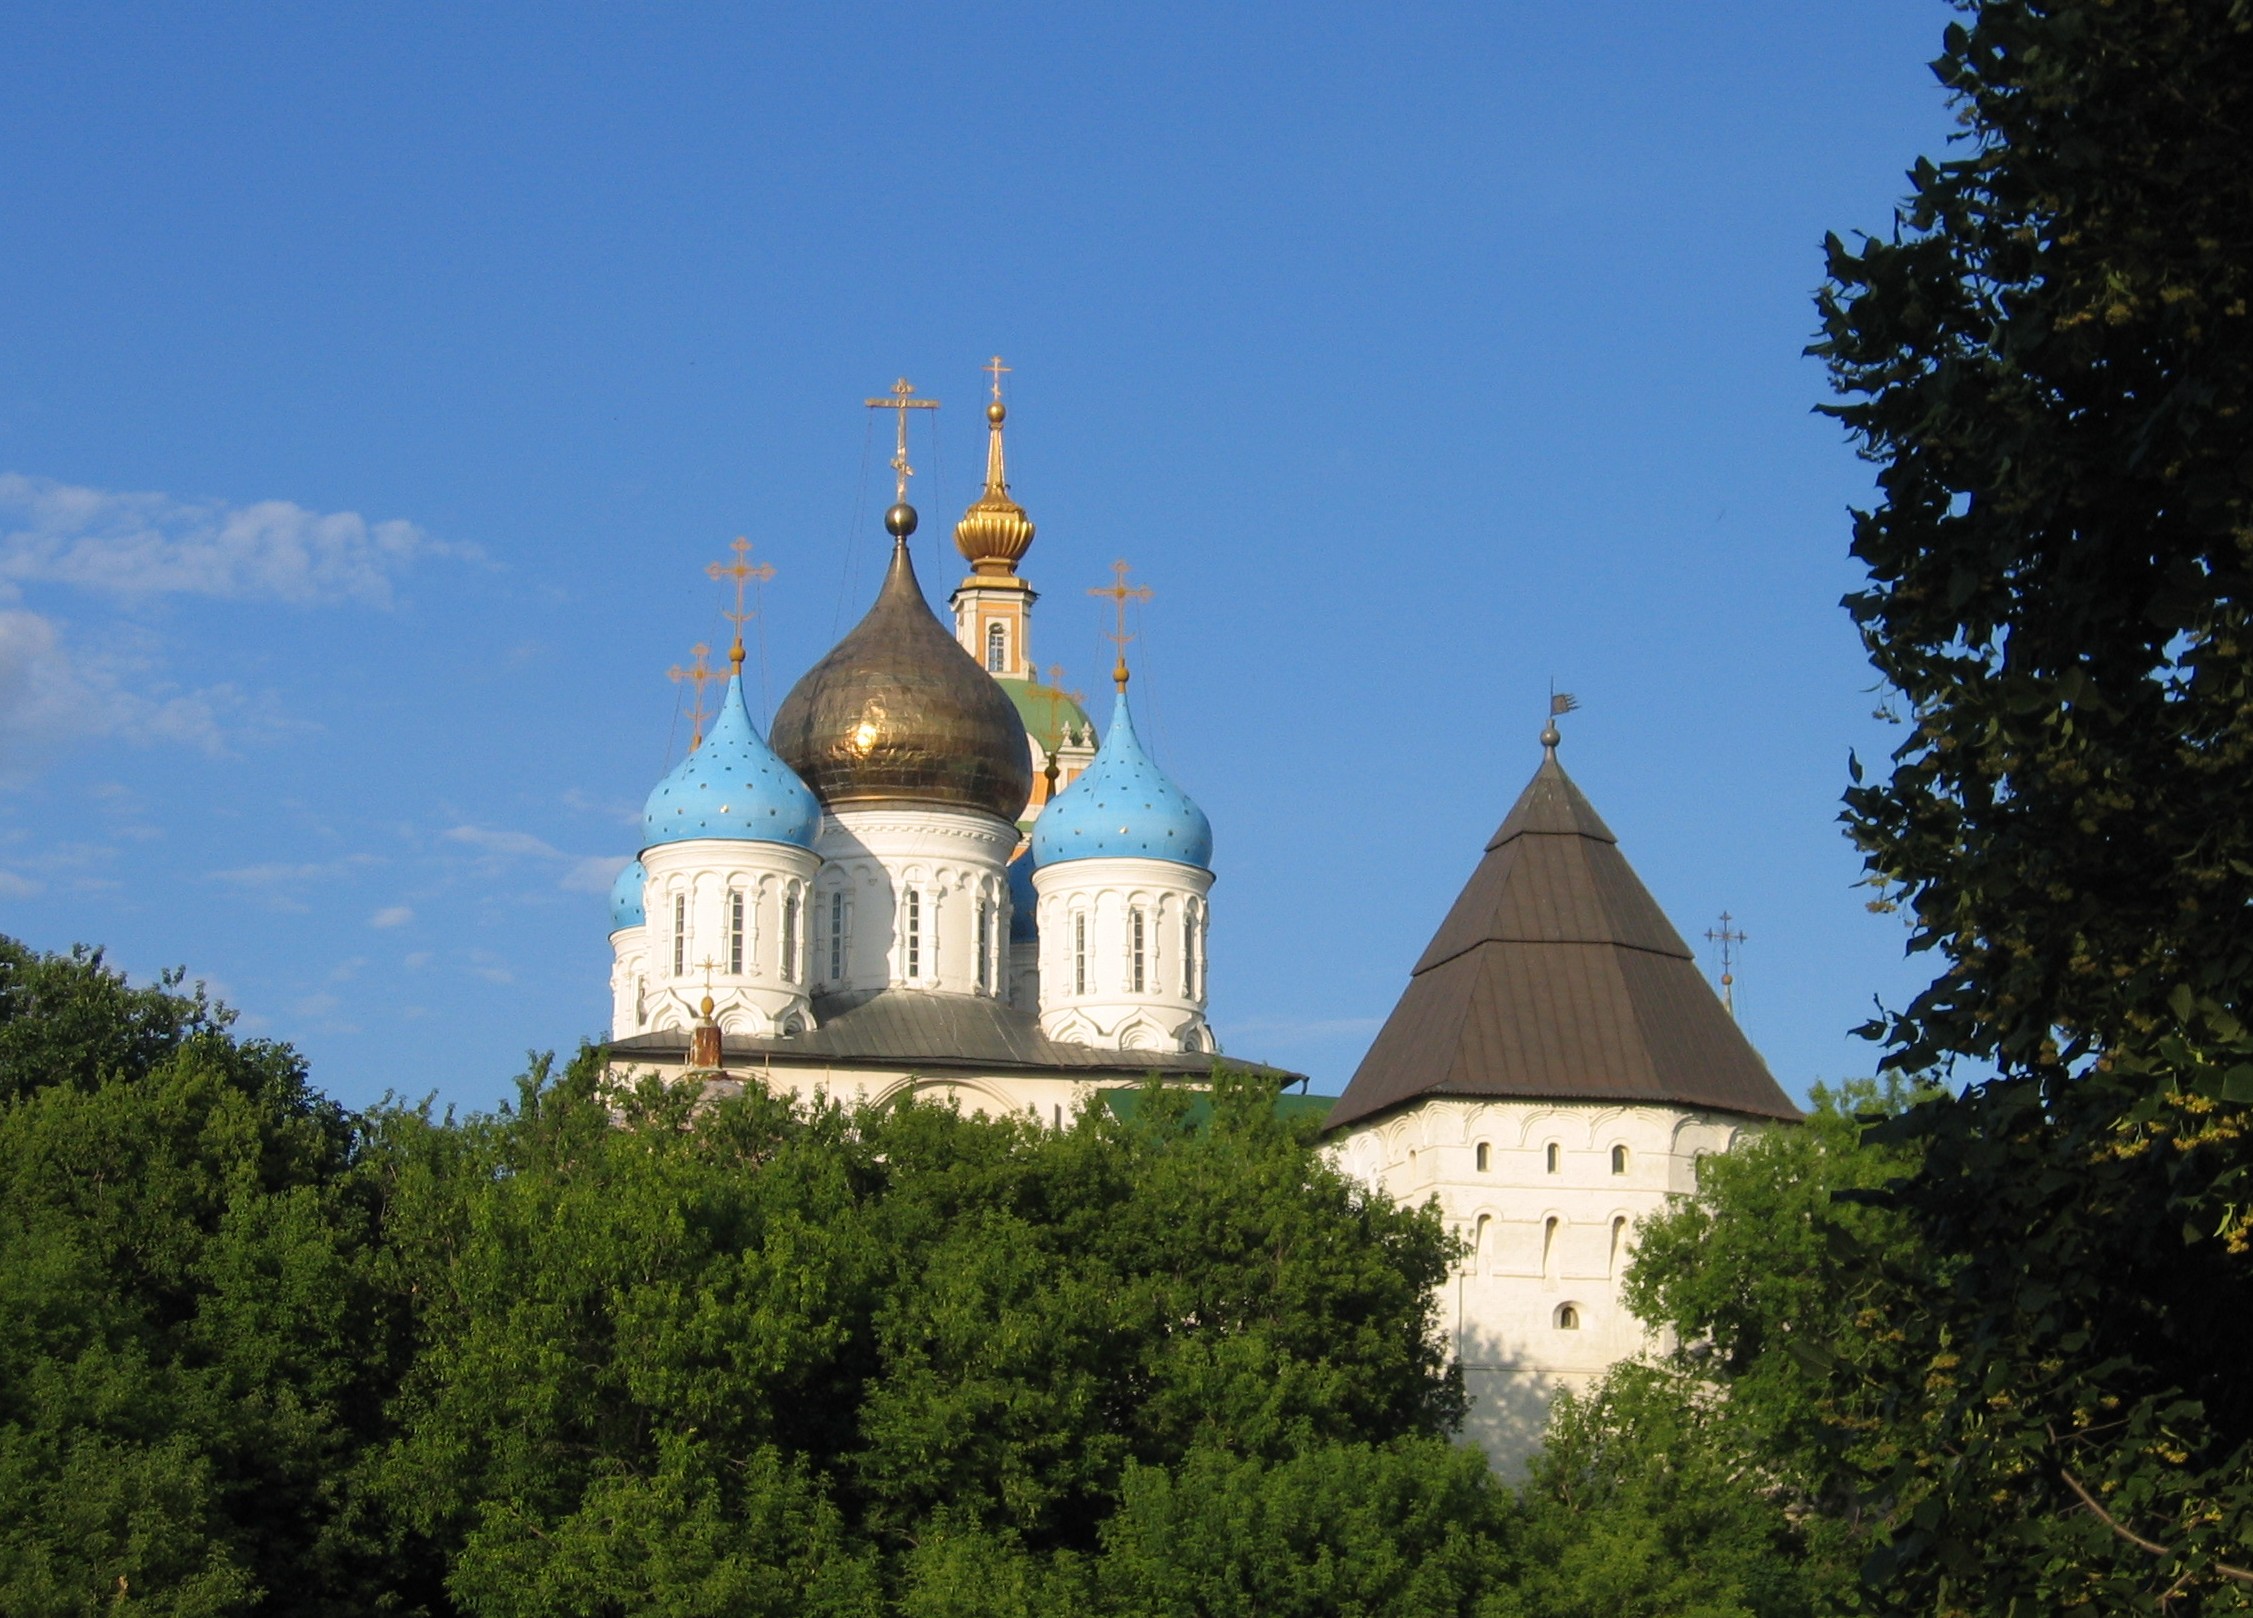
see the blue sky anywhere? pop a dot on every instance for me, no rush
(379, 380)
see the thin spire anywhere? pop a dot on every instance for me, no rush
(1121, 593)
(995, 532)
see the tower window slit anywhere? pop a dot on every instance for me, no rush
(790, 937)
(1079, 954)
(1619, 1160)
(1549, 1248)
(837, 937)
(914, 932)
(735, 931)
(680, 933)
(1483, 1155)
(1478, 1240)
(1619, 1240)
(985, 933)
(1553, 1155)
(1189, 953)
(1135, 929)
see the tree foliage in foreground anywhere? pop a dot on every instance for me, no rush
(2049, 363)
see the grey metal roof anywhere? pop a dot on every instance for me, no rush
(1557, 977)
(911, 1028)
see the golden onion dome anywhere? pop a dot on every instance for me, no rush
(995, 532)
(898, 710)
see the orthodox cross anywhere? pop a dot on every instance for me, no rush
(743, 571)
(902, 399)
(1728, 938)
(1053, 696)
(995, 369)
(1120, 594)
(699, 674)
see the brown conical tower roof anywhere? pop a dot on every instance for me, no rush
(1557, 977)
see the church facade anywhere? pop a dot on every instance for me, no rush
(932, 879)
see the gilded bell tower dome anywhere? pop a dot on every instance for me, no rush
(994, 533)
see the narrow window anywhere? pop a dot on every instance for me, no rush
(1134, 929)
(1568, 1317)
(985, 963)
(735, 931)
(790, 937)
(997, 648)
(1189, 953)
(837, 937)
(1553, 1155)
(1482, 1157)
(680, 933)
(1079, 954)
(1619, 1160)
(1549, 1248)
(914, 932)
(1619, 1240)
(1478, 1240)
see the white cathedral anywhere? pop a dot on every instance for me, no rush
(931, 881)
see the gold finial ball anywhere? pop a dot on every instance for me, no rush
(997, 412)
(899, 522)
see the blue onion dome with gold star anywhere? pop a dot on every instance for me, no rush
(899, 712)
(1123, 806)
(732, 786)
(625, 897)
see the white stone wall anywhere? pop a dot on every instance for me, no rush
(1088, 994)
(912, 897)
(1551, 1213)
(689, 938)
(1047, 1098)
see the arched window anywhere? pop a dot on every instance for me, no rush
(1482, 1156)
(985, 931)
(1553, 1156)
(1549, 1247)
(1619, 1160)
(1189, 952)
(1079, 953)
(837, 936)
(1134, 944)
(735, 931)
(680, 933)
(790, 937)
(1619, 1242)
(997, 647)
(1568, 1317)
(1478, 1241)
(912, 927)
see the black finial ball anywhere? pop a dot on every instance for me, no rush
(899, 522)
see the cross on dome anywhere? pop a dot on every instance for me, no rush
(743, 571)
(698, 674)
(1121, 593)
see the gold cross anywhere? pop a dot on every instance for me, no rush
(698, 674)
(995, 369)
(744, 571)
(902, 401)
(1121, 593)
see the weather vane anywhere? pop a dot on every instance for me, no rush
(1121, 593)
(903, 400)
(743, 571)
(1560, 703)
(699, 674)
(1728, 938)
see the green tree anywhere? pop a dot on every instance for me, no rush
(2048, 360)
(192, 1356)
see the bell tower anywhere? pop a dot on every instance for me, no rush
(993, 608)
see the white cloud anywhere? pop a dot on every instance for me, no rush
(13, 886)
(579, 873)
(139, 545)
(279, 884)
(392, 916)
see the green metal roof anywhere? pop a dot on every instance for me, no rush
(1124, 1104)
(1044, 710)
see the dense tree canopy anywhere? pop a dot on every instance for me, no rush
(2049, 362)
